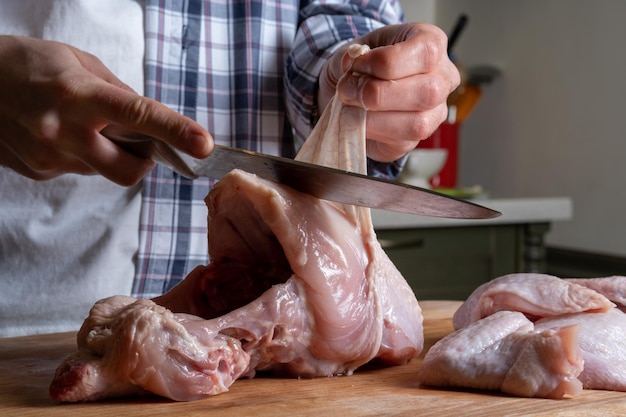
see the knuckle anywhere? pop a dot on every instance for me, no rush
(405, 147)
(141, 113)
(66, 90)
(425, 123)
(46, 127)
(437, 35)
(433, 93)
(373, 94)
(420, 128)
(431, 52)
(136, 111)
(455, 77)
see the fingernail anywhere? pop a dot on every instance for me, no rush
(350, 90)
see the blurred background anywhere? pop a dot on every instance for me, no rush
(553, 123)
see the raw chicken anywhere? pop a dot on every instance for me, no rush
(556, 303)
(347, 302)
(503, 352)
(295, 285)
(601, 340)
(128, 345)
(613, 288)
(536, 295)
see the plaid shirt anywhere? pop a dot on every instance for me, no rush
(246, 70)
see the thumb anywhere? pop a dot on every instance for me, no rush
(146, 116)
(334, 69)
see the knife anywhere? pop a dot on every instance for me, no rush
(319, 181)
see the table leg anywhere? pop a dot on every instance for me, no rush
(534, 259)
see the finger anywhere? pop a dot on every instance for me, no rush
(35, 158)
(110, 160)
(400, 51)
(384, 152)
(9, 159)
(149, 117)
(45, 170)
(71, 152)
(404, 128)
(414, 93)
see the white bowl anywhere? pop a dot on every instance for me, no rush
(422, 165)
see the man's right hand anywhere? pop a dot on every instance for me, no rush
(54, 101)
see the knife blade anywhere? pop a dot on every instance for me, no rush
(322, 182)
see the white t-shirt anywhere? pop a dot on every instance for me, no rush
(69, 241)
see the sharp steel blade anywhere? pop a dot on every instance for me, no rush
(322, 182)
(338, 185)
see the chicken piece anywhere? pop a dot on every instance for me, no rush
(613, 288)
(503, 352)
(127, 346)
(351, 303)
(296, 285)
(558, 302)
(536, 295)
(601, 340)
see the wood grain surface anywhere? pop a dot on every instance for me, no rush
(27, 365)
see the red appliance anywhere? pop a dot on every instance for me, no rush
(445, 137)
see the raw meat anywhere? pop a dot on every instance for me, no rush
(295, 285)
(601, 339)
(559, 303)
(347, 302)
(503, 352)
(127, 346)
(536, 295)
(613, 288)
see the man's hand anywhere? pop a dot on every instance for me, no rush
(403, 81)
(55, 99)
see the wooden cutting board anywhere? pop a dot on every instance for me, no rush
(27, 365)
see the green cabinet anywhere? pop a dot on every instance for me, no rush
(450, 262)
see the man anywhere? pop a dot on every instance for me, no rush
(251, 73)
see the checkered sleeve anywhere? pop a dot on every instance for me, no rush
(324, 26)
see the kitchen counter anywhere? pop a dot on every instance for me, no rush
(27, 365)
(447, 259)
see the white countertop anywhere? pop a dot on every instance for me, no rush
(514, 211)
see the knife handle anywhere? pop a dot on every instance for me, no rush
(148, 147)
